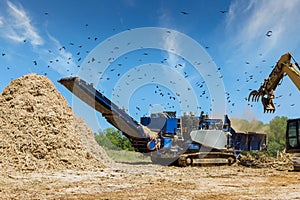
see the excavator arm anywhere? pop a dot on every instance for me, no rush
(266, 90)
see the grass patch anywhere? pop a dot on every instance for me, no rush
(126, 156)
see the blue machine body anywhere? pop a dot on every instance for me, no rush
(249, 141)
(164, 133)
(171, 128)
(165, 125)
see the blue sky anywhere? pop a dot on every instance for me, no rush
(231, 52)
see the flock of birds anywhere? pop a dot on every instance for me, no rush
(199, 85)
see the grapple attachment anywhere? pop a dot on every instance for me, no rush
(266, 98)
(255, 95)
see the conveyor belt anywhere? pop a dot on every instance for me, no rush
(138, 134)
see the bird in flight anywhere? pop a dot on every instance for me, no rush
(269, 33)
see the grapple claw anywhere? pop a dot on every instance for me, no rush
(256, 97)
(252, 94)
(267, 102)
(268, 105)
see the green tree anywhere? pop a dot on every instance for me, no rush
(276, 135)
(103, 141)
(113, 139)
(278, 130)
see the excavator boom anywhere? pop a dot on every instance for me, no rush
(266, 90)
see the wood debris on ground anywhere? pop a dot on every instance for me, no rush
(282, 162)
(39, 131)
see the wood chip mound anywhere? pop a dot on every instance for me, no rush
(39, 131)
(282, 162)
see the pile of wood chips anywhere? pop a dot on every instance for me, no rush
(39, 131)
(283, 161)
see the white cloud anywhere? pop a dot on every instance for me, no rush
(1, 21)
(17, 26)
(171, 43)
(245, 39)
(171, 40)
(164, 17)
(248, 22)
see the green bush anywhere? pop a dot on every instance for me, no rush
(274, 147)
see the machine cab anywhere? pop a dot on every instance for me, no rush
(293, 135)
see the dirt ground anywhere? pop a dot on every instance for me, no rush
(147, 181)
(46, 152)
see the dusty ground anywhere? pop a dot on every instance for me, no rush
(147, 181)
(40, 133)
